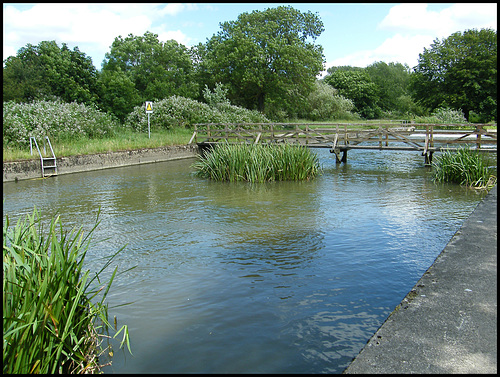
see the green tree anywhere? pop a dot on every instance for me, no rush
(48, 71)
(117, 93)
(356, 85)
(392, 84)
(459, 72)
(265, 56)
(157, 69)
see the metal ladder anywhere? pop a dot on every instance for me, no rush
(51, 161)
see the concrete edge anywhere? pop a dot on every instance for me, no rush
(30, 169)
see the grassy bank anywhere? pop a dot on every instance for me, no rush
(52, 308)
(124, 140)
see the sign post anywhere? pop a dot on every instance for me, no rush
(149, 110)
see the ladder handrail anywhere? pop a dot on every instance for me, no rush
(50, 145)
(32, 138)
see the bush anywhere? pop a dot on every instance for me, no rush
(324, 103)
(443, 115)
(58, 120)
(180, 111)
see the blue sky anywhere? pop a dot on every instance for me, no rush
(356, 34)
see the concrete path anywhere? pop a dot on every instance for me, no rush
(448, 321)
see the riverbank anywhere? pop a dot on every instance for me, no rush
(29, 169)
(448, 322)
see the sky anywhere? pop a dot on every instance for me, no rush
(356, 34)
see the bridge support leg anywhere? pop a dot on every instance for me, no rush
(337, 155)
(428, 158)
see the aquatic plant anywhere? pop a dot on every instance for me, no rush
(51, 311)
(465, 166)
(257, 163)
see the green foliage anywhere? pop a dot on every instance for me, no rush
(56, 119)
(257, 163)
(265, 56)
(465, 167)
(216, 97)
(392, 84)
(47, 71)
(323, 103)
(52, 311)
(459, 72)
(443, 115)
(356, 85)
(179, 111)
(117, 93)
(157, 69)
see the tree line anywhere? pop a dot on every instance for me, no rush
(267, 61)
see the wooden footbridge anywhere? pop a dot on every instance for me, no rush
(424, 138)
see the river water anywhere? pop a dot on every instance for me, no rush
(284, 277)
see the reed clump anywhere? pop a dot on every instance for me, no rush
(53, 310)
(464, 166)
(257, 163)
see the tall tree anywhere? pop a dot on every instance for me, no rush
(459, 72)
(356, 85)
(47, 71)
(157, 69)
(392, 82)
(266, 56)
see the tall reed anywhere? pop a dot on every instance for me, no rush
(51, 310)
(257, 163)
(466, 167)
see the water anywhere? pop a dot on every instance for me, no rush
(287, 277)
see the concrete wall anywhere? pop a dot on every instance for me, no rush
(28, 169)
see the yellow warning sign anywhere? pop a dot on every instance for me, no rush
(149, 107)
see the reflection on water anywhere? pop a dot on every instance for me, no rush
(284, 277)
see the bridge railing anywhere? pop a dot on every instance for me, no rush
(423, 137)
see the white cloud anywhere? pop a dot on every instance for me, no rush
(176, 35)
(173, 9)
(92, 27)
(416, 27)
(412, 18)
(397, 49)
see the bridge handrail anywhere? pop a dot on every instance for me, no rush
(339, 133)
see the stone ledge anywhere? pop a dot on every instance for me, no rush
(28, 169)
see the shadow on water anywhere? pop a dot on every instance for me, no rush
(282, 277)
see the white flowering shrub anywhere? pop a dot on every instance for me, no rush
(443, 115)
(447, 115)
(217, 96)
(177, 111)
(56, 119)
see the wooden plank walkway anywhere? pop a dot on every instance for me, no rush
(424, 138)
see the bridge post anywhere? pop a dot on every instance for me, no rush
(338, 159)
(428, 158)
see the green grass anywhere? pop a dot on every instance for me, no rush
(124, 140)
(257, 163)
(465, 167)
(52, 308)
